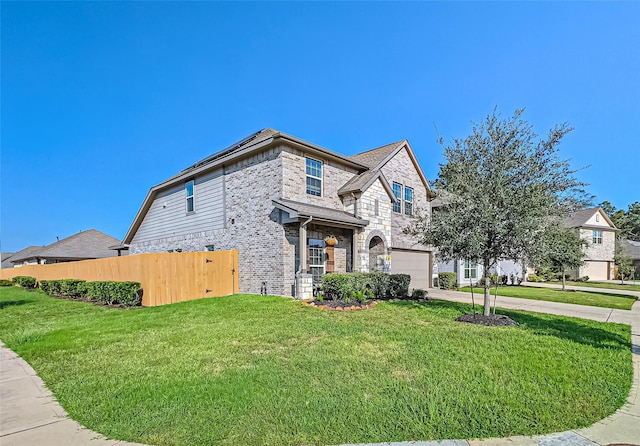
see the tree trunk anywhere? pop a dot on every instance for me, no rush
(487, 288)
(563, 279)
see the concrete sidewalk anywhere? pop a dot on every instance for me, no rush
(30, 416)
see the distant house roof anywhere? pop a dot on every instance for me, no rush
(632, 249)
(579, 219)
(5, 256)
(90, 244)
(319, 213)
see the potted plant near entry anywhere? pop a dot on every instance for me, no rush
(331, 240)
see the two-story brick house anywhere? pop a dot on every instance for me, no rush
(598, 230)
(276, 198)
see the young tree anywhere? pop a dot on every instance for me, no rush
(503, 185)
(623, 262)
(561, 248)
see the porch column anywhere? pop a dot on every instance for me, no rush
(354, 252)
(303, 248)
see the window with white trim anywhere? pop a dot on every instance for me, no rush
(316, 259)
(189, 188)
(470, 269)
(397, 193)
(597, 237)
(408, 200)
(314, 177)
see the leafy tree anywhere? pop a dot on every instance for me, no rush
(562, 249)
(503, 184)
(623, 261)
(628, 222)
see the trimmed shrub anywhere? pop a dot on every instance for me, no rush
(73, 288)
(25, 281)
(128, 294)
(533, 278)
(418, 293)
(448, 281)
(379, 284)
(399, 285)
(336, 286)
(584, 278)
(5, 282)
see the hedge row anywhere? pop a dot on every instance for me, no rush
(448, 281)
(128, 294)
(343, 286)
(25, 281)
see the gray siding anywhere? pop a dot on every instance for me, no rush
(167, 215)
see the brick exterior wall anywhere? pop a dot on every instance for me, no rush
(400, 169)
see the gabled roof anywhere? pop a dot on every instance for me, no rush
(25, 253)
(90, 244)
(360, 183)
(5, 256)
(256, 142)
(579, 219)
(296, 209)
(376, 158)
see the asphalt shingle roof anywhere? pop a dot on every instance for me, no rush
(90, 244)
(6, 262)
(632, 249)
(321, 213)
(372, 158)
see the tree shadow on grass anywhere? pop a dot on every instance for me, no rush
(12, 303)
(572, 329)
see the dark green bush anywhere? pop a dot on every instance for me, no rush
(336, 286)
(379, 284)
(533, 278)
(73, 288)
(399, 285)
(128, 294)
(5, 282)
(448, 281)
(25, 281)
(44, 286)
(418, 293)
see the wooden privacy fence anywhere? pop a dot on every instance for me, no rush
(165, 277)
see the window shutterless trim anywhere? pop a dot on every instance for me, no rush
(313, 167)
(397, 205)
(190, 199)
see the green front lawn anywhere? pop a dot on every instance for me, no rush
(253, 370)
(606, 285)
(606, 300)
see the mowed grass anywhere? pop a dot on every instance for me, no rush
(263, 370)
(595, 299)
(606, 285)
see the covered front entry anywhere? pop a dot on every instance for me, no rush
(415, 263)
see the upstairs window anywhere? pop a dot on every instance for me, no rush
(314, 177)
(397, 193)
(191, 204)
(597, 237)
(408, 200)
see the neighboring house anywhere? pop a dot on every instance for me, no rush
(4, 257)
(90, 244)
(632, 249)
(598, 230)
(467, 271)
(275, 198)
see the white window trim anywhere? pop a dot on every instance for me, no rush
(405, 201)
(472, 267)
(192, 196)
(597, 236)
(314, 177)
(399, 199)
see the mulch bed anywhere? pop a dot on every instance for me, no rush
(338, 305)
(493, 320)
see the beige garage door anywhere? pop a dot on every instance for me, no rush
(596, 270)
(415, 263)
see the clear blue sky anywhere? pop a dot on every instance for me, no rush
(103, 100)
